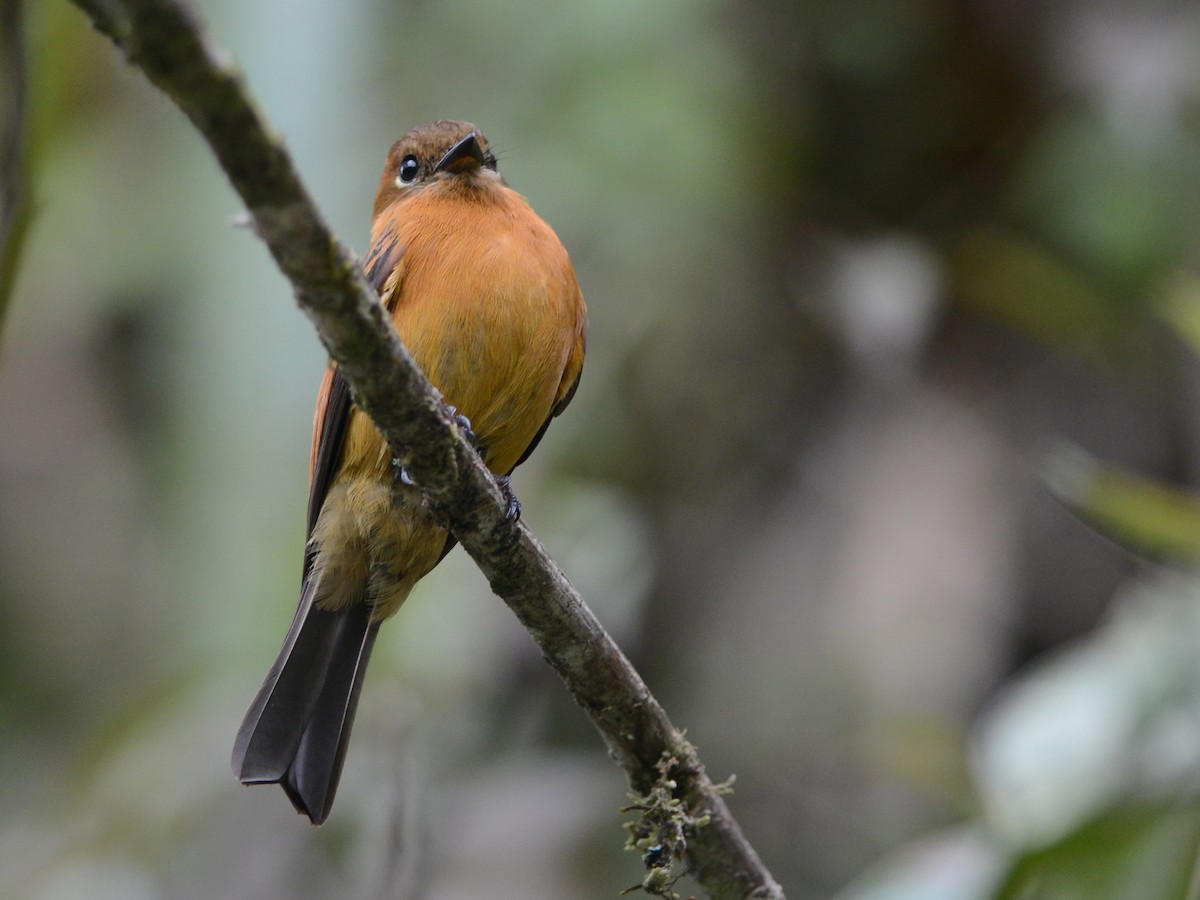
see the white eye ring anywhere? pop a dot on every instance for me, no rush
(408, 171)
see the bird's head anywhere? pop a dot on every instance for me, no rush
(450, 155)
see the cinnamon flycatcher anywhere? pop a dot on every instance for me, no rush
(485, 298)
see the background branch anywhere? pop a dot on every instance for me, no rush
(163, 40)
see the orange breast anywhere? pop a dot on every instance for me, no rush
(488, 304)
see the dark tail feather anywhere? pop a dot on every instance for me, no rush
(312, 778)
(297, 729)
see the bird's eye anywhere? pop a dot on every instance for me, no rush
(409, 167)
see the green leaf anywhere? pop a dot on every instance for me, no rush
(1004, 276)
(1134, 852)
(1179, 305)
(1137, 512)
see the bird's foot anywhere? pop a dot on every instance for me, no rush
(462, 423)
(400, 474)
(464, 428)
(512, 506)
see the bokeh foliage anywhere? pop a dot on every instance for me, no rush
(891, 396)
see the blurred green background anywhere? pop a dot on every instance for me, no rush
(870, 283)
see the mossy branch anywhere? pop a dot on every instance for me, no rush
(163, 39)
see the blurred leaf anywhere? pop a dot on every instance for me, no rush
(1143, 852)
(1112, 716)
(1056, 760)
(14, 181)
(1179, 305)
(1116, 203)
(1137, 512)
(1002, 275)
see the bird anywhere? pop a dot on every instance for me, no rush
(484, 295)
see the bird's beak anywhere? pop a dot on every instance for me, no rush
(465, 155)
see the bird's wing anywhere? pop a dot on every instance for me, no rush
(569, 382)
(382, 268)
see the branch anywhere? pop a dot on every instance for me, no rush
(162, 38)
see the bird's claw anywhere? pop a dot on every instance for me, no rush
(464, 427)
(400, 474)
(462, 423)
(512, 506)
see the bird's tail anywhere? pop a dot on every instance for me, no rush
(297, 729)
